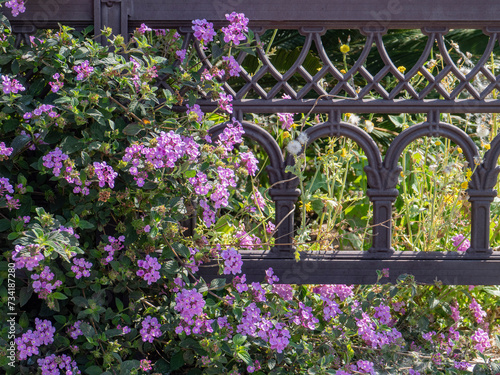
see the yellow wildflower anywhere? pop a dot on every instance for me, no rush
(468, 174)
(286, 134)
(486, 146)
(438, 143)
(343, 71)
(308, 206)
(344, 48)
(402, 69)
(464, 185)
(459, 150)
(344, 153)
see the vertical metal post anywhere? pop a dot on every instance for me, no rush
(480, 220)
(382, 219)
(111, 13)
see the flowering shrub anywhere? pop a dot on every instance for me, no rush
(101, 171)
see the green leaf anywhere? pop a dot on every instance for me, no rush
(25, 295)
(132, 129)
(15, 67)
(217, 284)
(58, 295)
(181, 250)
(239, 339)
(243, 354)
(177, 361)
(19, 143)
(93, 370)
(80, 301)
(398, 121)
(113, 332)
(71, 144)
(126, 367)
(60, 319)
(119, 304)
(84, 224)
(4, 225)
(87, 330)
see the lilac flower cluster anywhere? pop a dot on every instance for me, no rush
(240, 283)
(74, 331)
(57, 85)
(190, 303)
(225, 102)
(236, 29)
(28, 256)
(286, 118)
(40, 110)
(150, 329)
(259, 294)
(105, 174)
(5, 186)
(383, 314)
(232, 261)
(5, 151)
(364, 367)
(28, 344)
(145, 365)
(330, 309)
(303, 316)
(246, 240)
(150, 269)
(200, 183)
(194, 113)
(231, 136)
(54, 160)
(367, 330)
(169, 148)
(11, 85)
(12, 203)
(16, 6)
(330, 291)
(232, 65)
(477, 310)
(249, 161)
(83, 70)
(460, 242)
(208, 213)
(144, 29)
(203, 30)
(139, 77)
(81, 268)
(125, 329)
(181, 54)
(271, 278)
(224, 324)
(42, 283)
(254, 324)
(115, 244)
(482, 340)
(284, 291)
(56, 365)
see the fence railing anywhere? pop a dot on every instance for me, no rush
(479, 264)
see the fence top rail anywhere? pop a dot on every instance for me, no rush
(272, 14)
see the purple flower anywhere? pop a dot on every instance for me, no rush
(145, 365)
(195, 113)
(232, 135)
(284, 291)
(208, 213)
(81, 268)
(42, 283)
(365, 367)
(63, 364)
(83, 70)
(190, 303)
(16, 6)
(224, 102)
(460, 242)
(115, 244)
(181, 54)
(5, 151)
(303, 316)
(27, 345)
(233, 66)
(250, 162)
(105, 174)
(143, 29)
(11, 86)
(236, 29)
(383, 314)
(150, 329)
(200, 183)
(28, 256)
(57, 85)
(232, 261)
(482, 340)
(74, 331)
(476, 308)
(271, 278)
(203, 30)
(150, 268)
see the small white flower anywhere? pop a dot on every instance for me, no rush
(482, 131)
(302, 138)
(369, 126)
(353, 119)
(294, 147)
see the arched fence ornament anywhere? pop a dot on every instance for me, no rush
(480, 264)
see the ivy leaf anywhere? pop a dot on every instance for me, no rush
(132, 129)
